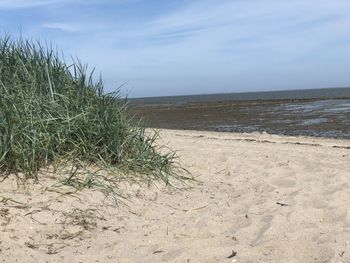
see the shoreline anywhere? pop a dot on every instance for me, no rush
(264, 137)
(268, 198)
(320, 118)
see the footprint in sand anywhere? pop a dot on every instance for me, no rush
(267, 221)
(336, 214)
(284, 182)
(171, 255)
(316, 203)
(336, 188)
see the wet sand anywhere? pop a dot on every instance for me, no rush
(322, 118)
(268, 198)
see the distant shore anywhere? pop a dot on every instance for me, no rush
(297, 94)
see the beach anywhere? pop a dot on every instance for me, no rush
(327, 118)
(256, 198)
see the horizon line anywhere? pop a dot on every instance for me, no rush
(240, 92)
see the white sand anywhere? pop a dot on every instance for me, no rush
(233, 206)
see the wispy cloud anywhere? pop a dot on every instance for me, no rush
(63, 27)
(200, 45)
(23, 4)
(17, 4)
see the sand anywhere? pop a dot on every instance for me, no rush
(267, 198)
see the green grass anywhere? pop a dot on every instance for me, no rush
(55, 115)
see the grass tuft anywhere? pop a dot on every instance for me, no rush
(55, 115)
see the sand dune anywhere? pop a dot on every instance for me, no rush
(267, 198)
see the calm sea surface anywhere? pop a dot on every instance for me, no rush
(324, 112)
(331, 93)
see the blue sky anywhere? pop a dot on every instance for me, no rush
(168, 47)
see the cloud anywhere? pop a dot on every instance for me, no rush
(17, 4)
(200, 45)
(66, 27)
(22, 4)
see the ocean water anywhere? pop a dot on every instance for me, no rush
(329, 93)
(322, 113)
(323, 118)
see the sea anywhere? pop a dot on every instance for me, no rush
(312, 112)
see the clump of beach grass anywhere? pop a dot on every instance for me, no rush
(54, 115)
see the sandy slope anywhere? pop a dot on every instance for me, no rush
(268, 198)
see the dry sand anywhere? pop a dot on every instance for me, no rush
(268, 198)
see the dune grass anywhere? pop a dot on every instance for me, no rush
(55, 115)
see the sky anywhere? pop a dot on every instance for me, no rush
(168, 47)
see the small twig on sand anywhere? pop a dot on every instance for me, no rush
(234, 253)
